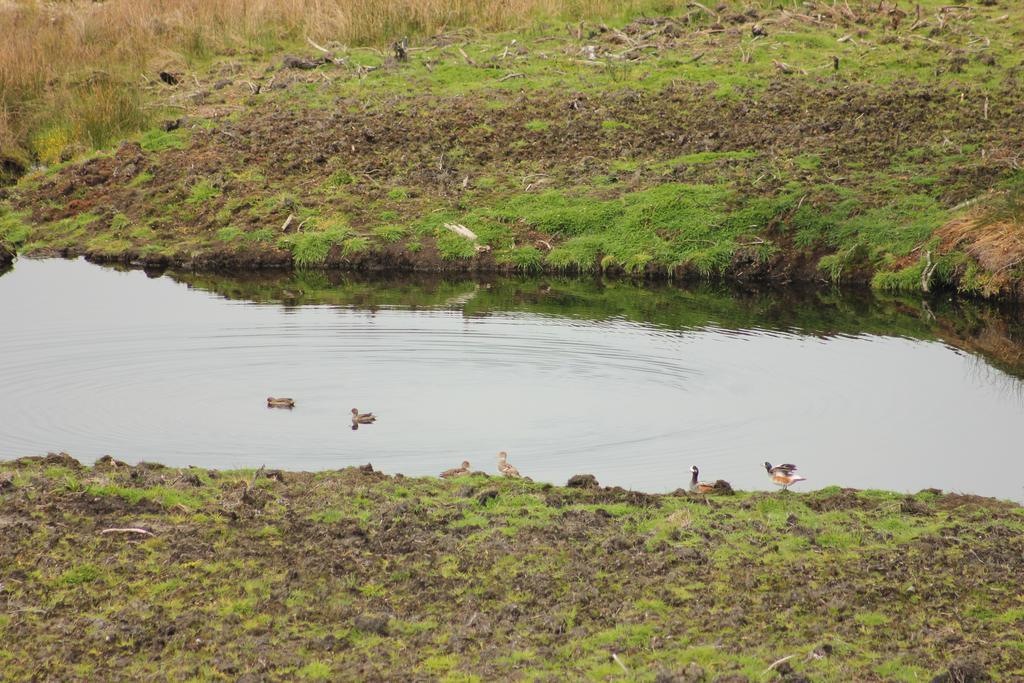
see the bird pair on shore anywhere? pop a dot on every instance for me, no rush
(503, 467)
(781, 475)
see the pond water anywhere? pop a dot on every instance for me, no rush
(630, 384)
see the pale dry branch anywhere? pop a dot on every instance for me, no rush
(128, 530)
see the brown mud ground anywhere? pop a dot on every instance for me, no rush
(355, 575)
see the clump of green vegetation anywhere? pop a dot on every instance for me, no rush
(341, 177)
(140, 179)
(13, 229)
(311, 248)
(157, 140)
(202, 191)
(81, 574)
(452, 246)
(355, 245)
(390, 233)
(525, 259)
(614, 125)
(261, 235)
(230, 234)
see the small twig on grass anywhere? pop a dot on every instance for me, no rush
(700, 6)
(461, 230)
(787, 68)
(926, 274)
(318, 47)
(776, 663)
(129, 530)
(618, 661)
(509, 76)
(256, 476)
(287, 222)
(466, 57)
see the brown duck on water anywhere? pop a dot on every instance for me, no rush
(280, 402)
(362, 418)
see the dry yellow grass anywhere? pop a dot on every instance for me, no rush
(70, 71)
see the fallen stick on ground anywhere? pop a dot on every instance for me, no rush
(129, 530)
(461, 230)
(256, 476)
(777, 662)
(322, 49)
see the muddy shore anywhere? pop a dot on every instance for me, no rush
(146, 571)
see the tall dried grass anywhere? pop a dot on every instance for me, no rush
(71, 71)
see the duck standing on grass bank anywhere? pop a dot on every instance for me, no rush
(456, 471)
(280, 402)
(783, 475)
(505, 468)
(699, 486)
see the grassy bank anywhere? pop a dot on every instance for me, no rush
(352, 574)
(873, 143)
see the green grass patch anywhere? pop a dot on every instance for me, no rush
(157, 140)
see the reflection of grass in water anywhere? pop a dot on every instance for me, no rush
(970, 325)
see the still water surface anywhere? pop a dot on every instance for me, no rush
(631, 386)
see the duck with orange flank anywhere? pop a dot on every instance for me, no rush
(783, 475)
(699, 486)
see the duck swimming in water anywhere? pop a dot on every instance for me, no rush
(783, 475)
(699, 486)
(362, 418)
(456, 471)
(505, 468)
(280, 402)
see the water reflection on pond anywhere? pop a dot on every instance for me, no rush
(631, 384)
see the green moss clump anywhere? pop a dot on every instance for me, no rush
(311, 248)
(157, 140)
(14, 231)
(452, 246)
